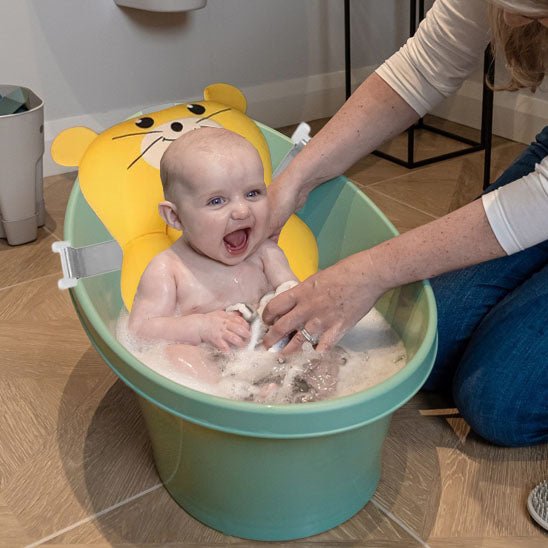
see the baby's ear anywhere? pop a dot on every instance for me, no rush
(168, 212)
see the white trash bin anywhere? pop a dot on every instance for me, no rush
(21, 183)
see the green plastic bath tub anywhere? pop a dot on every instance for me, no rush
(273, 472)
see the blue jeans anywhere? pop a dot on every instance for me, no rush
(493, 335)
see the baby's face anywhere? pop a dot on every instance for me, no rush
(223, 205)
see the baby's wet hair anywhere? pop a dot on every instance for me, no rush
(204, 139)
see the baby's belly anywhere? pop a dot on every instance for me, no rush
(250, 295)
(223, 298)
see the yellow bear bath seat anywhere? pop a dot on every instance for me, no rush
(119, 174)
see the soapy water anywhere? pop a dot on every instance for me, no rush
(367, 355)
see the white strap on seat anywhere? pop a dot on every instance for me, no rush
(86, 261)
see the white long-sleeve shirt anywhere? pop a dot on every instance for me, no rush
(446, 48)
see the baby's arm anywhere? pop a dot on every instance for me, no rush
(275, 264)
(280, 277)
(154, 313)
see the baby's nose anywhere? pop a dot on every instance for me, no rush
(240, 210)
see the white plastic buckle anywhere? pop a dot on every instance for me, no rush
(86, 261)
(300, 138)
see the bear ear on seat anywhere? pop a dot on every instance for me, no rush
(227, 95)
(69, 146)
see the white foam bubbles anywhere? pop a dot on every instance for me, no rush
(367, 355)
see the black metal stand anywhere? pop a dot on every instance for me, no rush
(486, 110)
(347, 62)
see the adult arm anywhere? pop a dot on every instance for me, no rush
(329, 303)
(373, 114)
(505, 221)
(431, 65)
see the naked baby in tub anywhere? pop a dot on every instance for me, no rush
(215, 193)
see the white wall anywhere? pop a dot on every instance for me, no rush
(91, 56)
(94, 63)
(516, 115)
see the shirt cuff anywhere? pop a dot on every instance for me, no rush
(518, 211)
(499, 223)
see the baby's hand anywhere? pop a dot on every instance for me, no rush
(224, 329)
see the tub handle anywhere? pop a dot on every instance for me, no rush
(300, 138)
(86, 261)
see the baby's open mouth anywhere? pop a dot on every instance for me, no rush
(236, 242)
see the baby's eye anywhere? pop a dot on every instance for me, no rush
(217, 201)
(253, 193)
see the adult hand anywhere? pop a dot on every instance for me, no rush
(327, 304)
(286, 196)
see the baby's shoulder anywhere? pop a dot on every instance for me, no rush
(269, 250)
(270, 246)
(166, 264)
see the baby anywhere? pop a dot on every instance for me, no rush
(215, 193)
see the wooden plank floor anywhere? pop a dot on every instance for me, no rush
(75, 464)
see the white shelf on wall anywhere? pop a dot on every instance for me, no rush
(163, 5)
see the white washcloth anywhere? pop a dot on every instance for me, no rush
(255, 319)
